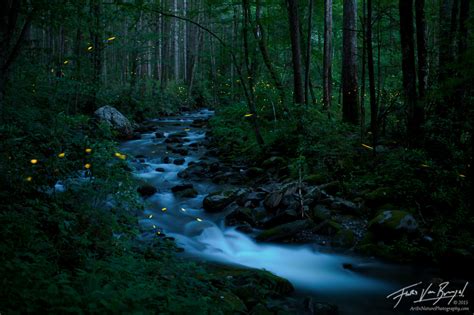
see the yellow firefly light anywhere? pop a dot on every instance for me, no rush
(29, 179)
(34, 161)
(88, 150)
(367, 146)
(163, 209)
(61, 155)
(199, 219)
(87, 166)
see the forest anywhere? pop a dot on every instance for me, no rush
(236, 157)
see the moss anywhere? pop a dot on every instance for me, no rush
(345, 238)
(379, 197)
(316, 179)
(284, 231)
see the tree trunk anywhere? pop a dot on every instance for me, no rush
(421, 43)
(308, 54)
(370, 67)
(250, 66)
(176, 42)
(9, 46)
(415, 111)
(260, 35)
(350, 101)
(327, 57)
(364, 59)
(463, 27)
(444, 40)
(298, 94)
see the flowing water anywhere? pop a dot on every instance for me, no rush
(314, 271)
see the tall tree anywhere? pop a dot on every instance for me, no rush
(260, 35)
(415, 110)
(308, 53)
(293, 19)
(350, 100)
(463, 26)
(327, 55)
(444, 39)
(96, 52)
(370, 67)
(10, 45)
(421, 43)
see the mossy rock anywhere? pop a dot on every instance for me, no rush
(379, 197)
(328, 227)
(146, 190)
(284, 231)
(187, 193)
(390, 224)
(232, 302)
(239, 216)
(316, 179)
(320, 213)
(345, 238)
(252, 286)
(217, 201)
(260, 309)
(255, 172)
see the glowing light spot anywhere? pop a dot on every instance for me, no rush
(122, 156)
(187, 129)
(34, 161)
(158, 233)
(182, 209)
(150, 216)
(368, 147)
(29, 179)
(87, 166)
(61, 155)
(199, 219)
(66, 62)
(88, 150)
(163, 209)
(154, 226)
(89, 48)
(462, 175)
(248, 115)
(111, 38)
(117, 154)
(424, 165)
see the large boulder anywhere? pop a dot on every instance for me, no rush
(284, 231)
(217, 201)
(393, 223)
(240, 216)
(273, 200)
(115, 119)
(146, 190)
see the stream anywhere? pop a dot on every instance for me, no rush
(314, 271)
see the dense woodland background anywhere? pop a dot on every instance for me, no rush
(376, 96)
